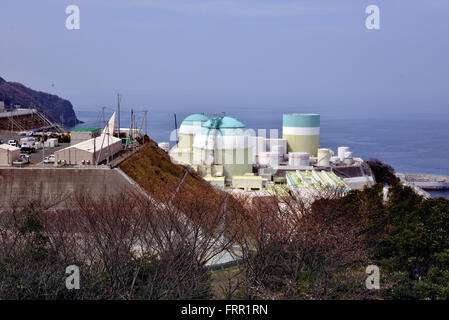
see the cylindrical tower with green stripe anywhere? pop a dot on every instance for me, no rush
(302, 132)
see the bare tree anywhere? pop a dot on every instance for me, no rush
(293, 248)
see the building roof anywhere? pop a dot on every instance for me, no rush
(223, 122)
(8, 147)
(245, 177)
(196, 117)
(98, 143)
(300, 120)
(210, 178)
(85, 129)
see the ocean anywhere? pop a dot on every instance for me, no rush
(410, 143)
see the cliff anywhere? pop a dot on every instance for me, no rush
(13, 93)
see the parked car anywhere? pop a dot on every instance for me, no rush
(49, 159)
(23, 159)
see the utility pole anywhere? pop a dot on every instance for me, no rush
(94, 157)
(118, 114)
(146, 122)
(43, 151)
(176, 128)
(131, 128)
(135, 128)
(102, 120)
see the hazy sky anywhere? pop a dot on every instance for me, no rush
(218, 54)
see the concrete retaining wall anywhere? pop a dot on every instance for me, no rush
(52, 185)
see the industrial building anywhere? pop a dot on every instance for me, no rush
(218, 182)
(190, 126)
(90, 152)
(183, 152)
(8, 154)
(248, 182)
(314, 179)
(83, 134)
(218, 147)
(223, 151)
(223, 141)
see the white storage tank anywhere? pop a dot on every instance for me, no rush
(349, 158)
(269, 158)
(291, 159)
(164, 146)
(299, 159)
(341, 152)
(279, 149)
(324, 157)
(335, 159)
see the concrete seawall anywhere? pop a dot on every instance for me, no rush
(425, 181)
(53, 185)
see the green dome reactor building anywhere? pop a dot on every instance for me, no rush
(223, 141)
(189, 127)
(183, 151)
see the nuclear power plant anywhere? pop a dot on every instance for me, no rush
(229, 155)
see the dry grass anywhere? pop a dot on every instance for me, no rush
(153, 170)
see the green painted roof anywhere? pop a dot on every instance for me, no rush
(194, 117)
(86, 129)
(224, 122)
(301, 120)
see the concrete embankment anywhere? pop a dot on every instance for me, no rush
(58, 184)
(426, 181)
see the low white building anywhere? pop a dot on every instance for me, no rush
(90, 152)
(8, 154)
(83, 134)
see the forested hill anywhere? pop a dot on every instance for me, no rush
(14, 93)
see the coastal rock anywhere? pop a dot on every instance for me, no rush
(56, 108)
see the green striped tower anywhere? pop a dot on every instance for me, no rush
(302, 132)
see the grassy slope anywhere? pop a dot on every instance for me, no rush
(152, 169)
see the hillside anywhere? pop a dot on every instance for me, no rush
(153, 170)
(13, 93)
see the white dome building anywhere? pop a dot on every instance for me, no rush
(182, 153)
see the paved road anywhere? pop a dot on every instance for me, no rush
(36, 158)
(5, 136)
